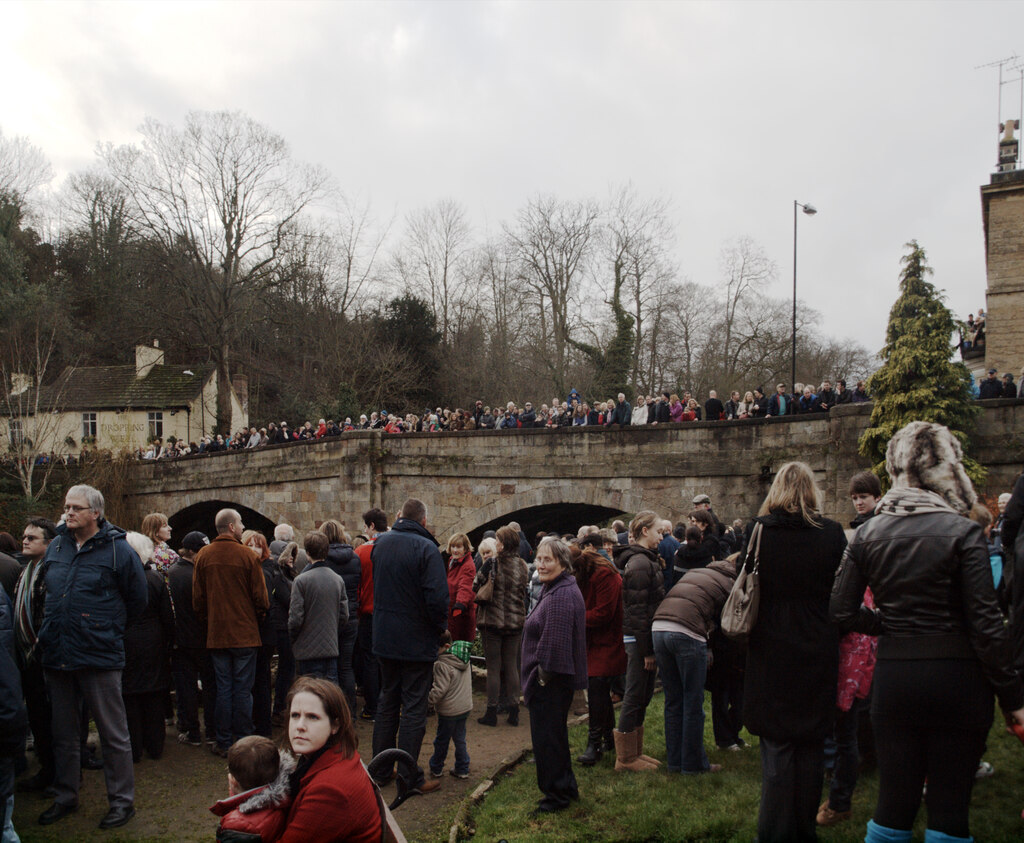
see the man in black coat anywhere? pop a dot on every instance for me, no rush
(991, 387)
(714, 410)
(623, 413)
(662, 415)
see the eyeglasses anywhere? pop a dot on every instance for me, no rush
(72, 508)
(28, 538)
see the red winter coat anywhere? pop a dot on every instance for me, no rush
(460, 590)
(260, 812)
(606, 654)
(335, 802)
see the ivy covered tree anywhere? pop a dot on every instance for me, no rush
(918, 380)
(613, 363)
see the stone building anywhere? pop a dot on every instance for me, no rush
(119, 407)
(1002, 205)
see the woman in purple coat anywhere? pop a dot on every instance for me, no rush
(554, 668)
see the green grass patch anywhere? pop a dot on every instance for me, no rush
(657, 806)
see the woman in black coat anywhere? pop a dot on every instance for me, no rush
(789, 688)
(146, 679)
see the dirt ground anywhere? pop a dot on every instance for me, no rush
(172, 795)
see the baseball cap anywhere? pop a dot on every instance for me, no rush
(195, 541)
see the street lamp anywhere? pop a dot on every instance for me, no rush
(810, 210)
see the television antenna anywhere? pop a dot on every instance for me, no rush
(1009, 64)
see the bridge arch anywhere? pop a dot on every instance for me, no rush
(200, 516)
(546, 508)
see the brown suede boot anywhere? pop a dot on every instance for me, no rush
(640, 748)
(625, 753)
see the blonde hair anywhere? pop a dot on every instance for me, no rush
(153, 524)
(142, 545)
(460, 539)
(488, 544)
(335, 531)
(795, 491)
(646, 518)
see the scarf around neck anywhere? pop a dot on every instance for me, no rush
(908, 501)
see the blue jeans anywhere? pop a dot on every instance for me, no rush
(683, 663)
(321, 668)
(235, 670)
(454, 729)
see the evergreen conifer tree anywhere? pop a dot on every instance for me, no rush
(918, 380)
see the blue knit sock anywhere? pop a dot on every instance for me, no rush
(933, 836)
(880, 834)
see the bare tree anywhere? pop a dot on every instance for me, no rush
(746, 271)
(436, 248)
(554, 241)
(638, 238)
(357, 241)
(23, 168)
(37, 429)
(218, 198)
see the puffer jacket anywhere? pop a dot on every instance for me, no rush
(342, 559)
(506, 611)
(696, 600)
(257, 814)
(932, 584)
(452, 691)
(90, 593)
(643, 588)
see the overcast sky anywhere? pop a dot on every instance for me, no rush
(873, 112)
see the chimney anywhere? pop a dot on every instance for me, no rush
(147, 357)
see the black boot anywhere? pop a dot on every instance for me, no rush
(607, 743)
(513, 715)
(490, 718)
(592, 754)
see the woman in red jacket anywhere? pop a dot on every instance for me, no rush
(601, 585)
(332, 796)
(461, 571)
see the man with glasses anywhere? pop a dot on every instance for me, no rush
(94, 581)
(29, 598)
(229, 592)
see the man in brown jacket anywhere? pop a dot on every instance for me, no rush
(229, 593)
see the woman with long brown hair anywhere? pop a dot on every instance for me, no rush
(332, 795)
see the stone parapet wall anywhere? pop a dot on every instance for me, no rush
(471, 478)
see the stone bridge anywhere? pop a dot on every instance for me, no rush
(546, 480)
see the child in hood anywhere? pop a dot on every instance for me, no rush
(258, 793)
(452, 697)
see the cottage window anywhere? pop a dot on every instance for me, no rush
(17, 433)
(89, 425)
(156, 425)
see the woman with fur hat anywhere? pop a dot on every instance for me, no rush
(943, 651)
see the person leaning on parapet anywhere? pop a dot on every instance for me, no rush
(714, 410)
(229, 592)
(622, 414)
(1009, 387)
(990, 387)
(94, 581)
(780, 404)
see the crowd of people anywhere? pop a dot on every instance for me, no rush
(574, 411)
(901, 615)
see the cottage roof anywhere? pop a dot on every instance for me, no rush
(118, 388)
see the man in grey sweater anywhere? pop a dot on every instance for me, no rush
(317, 610)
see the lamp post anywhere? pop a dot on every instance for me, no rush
(810, 210)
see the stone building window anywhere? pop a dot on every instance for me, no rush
(156, 425)
(17, 433)
(89, 426)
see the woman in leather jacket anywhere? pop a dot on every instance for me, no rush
(943, 651)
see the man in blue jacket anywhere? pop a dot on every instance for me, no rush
(410, 611)
(94, 582)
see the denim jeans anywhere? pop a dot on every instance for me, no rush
(402, 710)
(321, 668)
(683, 662)
(453, 729)
(235, 670)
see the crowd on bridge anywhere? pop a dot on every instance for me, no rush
(574, 411)
(903, 614)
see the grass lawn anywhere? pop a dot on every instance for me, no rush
(719, 807)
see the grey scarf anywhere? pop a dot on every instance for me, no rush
(903, 502)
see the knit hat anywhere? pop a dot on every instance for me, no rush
(927, 456)
(460, 649)
(195, 541)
